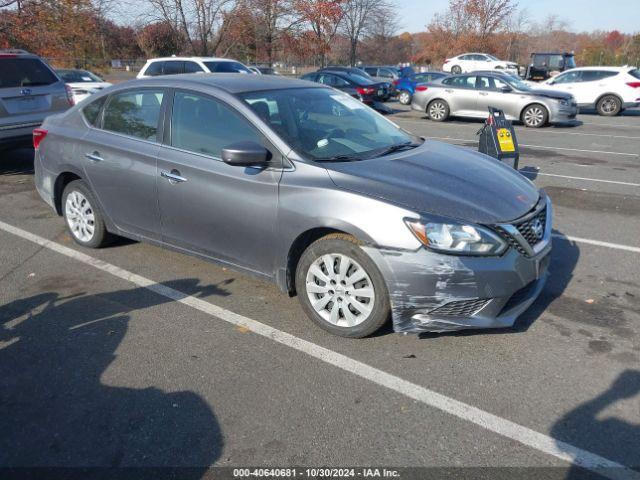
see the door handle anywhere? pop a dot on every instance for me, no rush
(173, 176)
(484, 94)
(448, 90)
(94, 157)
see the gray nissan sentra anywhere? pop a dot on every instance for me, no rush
(305, 186)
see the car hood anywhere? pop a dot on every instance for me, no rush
(540, 92)
(441, 179)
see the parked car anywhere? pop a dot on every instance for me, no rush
(29, 91)
(302, 185)
(263, 70)
(546, 65)
(364, 89)
(406, 86)
(83, 83)
(362, 73)
(468, 62)
(607, 89)
(176, 65)
(470, 95)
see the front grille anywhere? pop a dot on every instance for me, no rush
(526, 229)
(460, 308)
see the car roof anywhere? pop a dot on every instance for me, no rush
(233, 83)
(608, 69)
(205, 59)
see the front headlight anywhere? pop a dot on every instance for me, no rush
(457, 239)
(564, 103)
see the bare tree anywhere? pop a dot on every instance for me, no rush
(199, 21)
(274, 18)
(359, 18)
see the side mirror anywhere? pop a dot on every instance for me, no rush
(246, 154)
(506, 89)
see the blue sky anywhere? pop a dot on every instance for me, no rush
(623, 15)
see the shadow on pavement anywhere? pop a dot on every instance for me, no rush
(589, 428)
(57, 412)
(16, 161)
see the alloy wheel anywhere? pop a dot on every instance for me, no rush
(609, 105)
(340, 290)
(437, 110)
(534, 116)
(80, 216)
(405, 98)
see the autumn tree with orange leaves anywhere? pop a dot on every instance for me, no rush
(323, 17)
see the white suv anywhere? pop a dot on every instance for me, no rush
(175, 65)
(469, 62)
(607, 89)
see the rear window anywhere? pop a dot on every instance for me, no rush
(635, 73)
(24, 72)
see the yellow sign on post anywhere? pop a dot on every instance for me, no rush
(506, 140)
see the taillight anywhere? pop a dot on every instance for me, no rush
(38, 136)
(70, 99)
(396, 82)
(634, 84)
(446, 60)
(421, 88)
(365, 90)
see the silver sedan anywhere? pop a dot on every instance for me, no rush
(470, 95)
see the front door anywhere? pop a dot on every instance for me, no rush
(119, 158)
(491, 95)
(207, 206)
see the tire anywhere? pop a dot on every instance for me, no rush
(83, 217)
(456, 70)
(404, 97)
(438, 110)
(535, 116)
(609, 106)
(337, 310)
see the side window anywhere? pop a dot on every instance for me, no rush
(134, 113)
(497, 84)
(483, 83)
(594, 75)
(311, 77)
(92, 111)
(203, 125)
(192, 67)
(569, 77)
(173, 67)
(340, 82)
(384, 73)
(479, 58)
(154, 69)
(327, 79)
(371, 71)
(463, 82)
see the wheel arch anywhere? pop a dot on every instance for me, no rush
(62, 180)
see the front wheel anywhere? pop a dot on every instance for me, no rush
(83, 217)
(535, 116)
(404, 97)
(456, 70)
(438, 110)
(609, 106)
(340, 288)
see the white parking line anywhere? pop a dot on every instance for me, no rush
(543, 147)
(615, 246)
(526, 130)
(486, 420)
(580, 178)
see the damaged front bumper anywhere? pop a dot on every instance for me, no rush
(432, 292)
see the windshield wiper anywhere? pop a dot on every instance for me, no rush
(339, 158)
(398, 147)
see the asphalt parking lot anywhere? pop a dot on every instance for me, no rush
(138, 356)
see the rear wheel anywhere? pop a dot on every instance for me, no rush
(404, 97)
(438, 110)
(535, 116)
(609, 106)
(456, 70)
(83, 217)
(340, 288)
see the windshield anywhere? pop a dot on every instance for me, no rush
(360, 79)
(324, 124)
(78, 76)
(492, 57)
(517, 84)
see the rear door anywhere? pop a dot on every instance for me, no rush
(120, 159)
(593, 83)
(462, 96)
(215, 209)
(29, 91)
